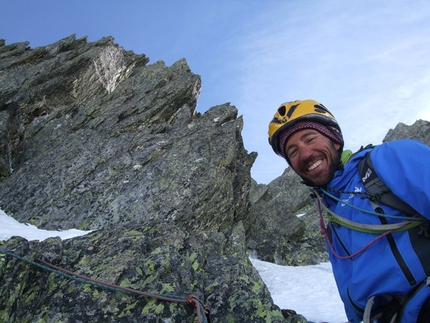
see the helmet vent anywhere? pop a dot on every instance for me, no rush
(291, 110)
(320, 108)
(282, 110)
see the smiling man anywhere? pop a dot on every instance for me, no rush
(307, 135)
(313, 156)
(378, 239)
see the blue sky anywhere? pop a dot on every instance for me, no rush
(367, 61)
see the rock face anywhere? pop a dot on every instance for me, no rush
(420, 130)
(98, 137)
(280, 225)
(92, 137)
(155, 257)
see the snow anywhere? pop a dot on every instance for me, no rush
(10, 227)
(309, 290)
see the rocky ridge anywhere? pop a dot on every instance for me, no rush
(95, 138)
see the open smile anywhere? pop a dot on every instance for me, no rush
(314, 165)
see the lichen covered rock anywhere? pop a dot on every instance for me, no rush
(95, 138)
(158, 258)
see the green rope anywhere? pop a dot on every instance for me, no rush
(369, 228)
(363, 227)
(202, 311)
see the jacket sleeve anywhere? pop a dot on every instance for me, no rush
(403, 165)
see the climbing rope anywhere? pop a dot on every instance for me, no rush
(324, 231)
(364, 210)
(202, 311)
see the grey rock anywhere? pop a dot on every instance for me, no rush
(5, 158)
(280, 224)
(159, 258)
(93, 137)
(96, 151)
(420, 130)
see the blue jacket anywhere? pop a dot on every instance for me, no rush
(404, 167)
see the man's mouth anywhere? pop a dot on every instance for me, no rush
(314, 165)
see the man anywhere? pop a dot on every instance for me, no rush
(379, 254)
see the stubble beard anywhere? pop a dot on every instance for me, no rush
(327, 176)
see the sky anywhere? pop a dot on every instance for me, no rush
(309, 290)
(367, 61)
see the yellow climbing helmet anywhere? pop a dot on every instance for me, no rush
(290, 113)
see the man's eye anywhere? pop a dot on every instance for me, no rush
(292, 153)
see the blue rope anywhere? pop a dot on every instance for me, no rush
(371, 212)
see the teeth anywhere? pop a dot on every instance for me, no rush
(315, 165)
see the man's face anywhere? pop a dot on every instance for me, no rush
(313, 156)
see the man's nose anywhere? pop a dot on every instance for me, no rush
(305, 152)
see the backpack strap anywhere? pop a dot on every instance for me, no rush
(386, 315)
(379, 192)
